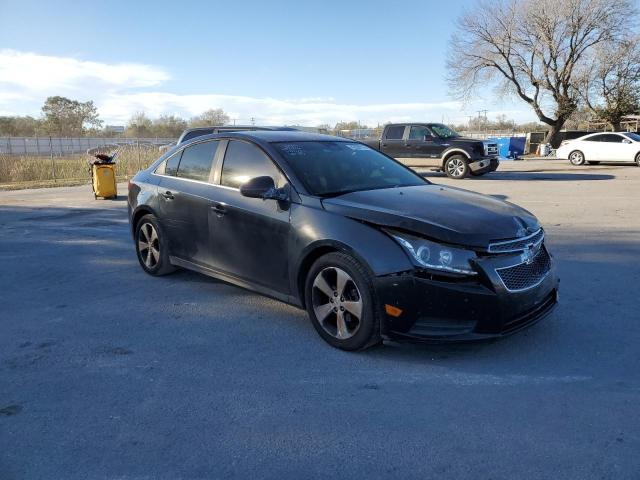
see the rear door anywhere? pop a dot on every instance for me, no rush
(184, 203)
(249, 237)
(393, 141)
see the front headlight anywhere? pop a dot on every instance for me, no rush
(435, 256)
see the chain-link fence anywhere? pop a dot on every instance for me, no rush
(42, 170)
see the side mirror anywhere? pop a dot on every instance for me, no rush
(264, 188)
(626, 141)
(257, 187)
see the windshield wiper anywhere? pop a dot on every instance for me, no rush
(337, 193)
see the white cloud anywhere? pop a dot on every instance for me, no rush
(269, 110)
(119, 90)
(45, 74)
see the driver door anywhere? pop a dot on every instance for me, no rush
(249, 237)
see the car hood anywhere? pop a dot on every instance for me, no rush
(447, 214)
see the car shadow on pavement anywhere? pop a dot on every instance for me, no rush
(529, 176)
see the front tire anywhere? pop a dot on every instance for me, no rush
(456, 166)
(638, 159)
(151, 247)
(341, 304)
(577, 158)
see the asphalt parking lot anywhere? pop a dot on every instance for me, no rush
(108, 373)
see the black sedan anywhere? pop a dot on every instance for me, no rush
(369, 248)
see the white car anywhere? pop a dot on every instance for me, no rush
(601, 147)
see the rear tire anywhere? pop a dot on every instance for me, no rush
(638, 159)
(152, 247)
(577, 158)
(456, 166)
(341, 303)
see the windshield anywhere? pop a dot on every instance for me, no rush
(334, 168)
(633, 136)
(443, 131)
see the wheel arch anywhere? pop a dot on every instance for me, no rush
(138, 213)
(312, 253)
(454, 151)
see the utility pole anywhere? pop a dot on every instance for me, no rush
(253, 121)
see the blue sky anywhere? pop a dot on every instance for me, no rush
(278, 61)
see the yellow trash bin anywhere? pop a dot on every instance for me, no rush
(104, 180)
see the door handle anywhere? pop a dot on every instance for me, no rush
(219, 209)
(168, 195)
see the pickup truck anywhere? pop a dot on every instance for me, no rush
(436, 145)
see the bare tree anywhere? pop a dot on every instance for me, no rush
(610, 89)
(534, 49)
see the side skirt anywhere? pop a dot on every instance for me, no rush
(225, 277)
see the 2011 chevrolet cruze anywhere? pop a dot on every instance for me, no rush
(371, 249)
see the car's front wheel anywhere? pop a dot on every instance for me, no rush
(577, 158)
(456, 166)
(340, 300)
(638, 159)
(151, 247)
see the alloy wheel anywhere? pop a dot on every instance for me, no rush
(455, 167)
(148, 245)
(576, 158)
(337, 303)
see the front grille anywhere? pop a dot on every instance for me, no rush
(524, 276)
(518, 244)
(491, 149)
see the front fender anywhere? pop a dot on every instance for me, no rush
(315, 230)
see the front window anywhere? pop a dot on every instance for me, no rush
(419, 133)
(334, 168)
(244, 161)
(633, 136)
(443, 131)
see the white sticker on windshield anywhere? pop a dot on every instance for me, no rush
(292, 149)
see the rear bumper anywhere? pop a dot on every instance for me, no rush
(437, 310)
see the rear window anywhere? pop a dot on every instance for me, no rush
(197, 160)
(394, 133)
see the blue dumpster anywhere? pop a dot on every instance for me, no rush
(509, 147)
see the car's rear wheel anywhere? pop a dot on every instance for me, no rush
(456, 166)
(577, 158)
(151, 247)
(340, 300)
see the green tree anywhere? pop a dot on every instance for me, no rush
(210, 118)
(139, 125)
(68, 118)
(353, 125)
(168, 126)
(20, 126)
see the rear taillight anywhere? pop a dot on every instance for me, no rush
(129, 185)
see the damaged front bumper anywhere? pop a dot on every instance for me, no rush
(484, 165)
(420, 306)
